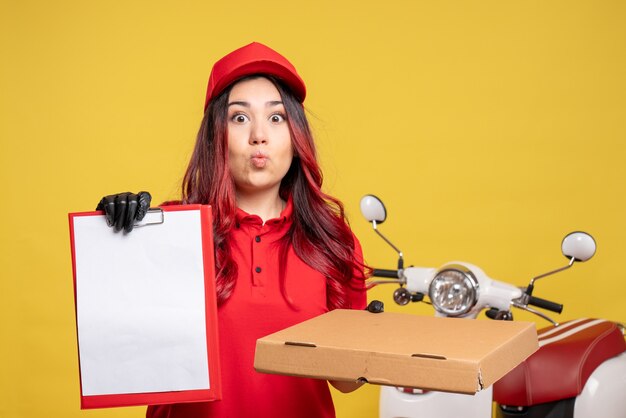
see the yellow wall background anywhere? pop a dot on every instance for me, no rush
(490, 128)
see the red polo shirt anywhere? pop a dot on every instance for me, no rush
(255, 309)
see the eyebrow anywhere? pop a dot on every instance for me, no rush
(247, 104)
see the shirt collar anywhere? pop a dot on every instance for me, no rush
(244, 218)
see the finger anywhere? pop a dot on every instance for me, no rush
(144, 204)
(121, 205)
(131, 211)
(108, 205)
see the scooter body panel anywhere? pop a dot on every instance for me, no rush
(604, 394)
(397, 404)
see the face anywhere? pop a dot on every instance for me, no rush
(259, 142)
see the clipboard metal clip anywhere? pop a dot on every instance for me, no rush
(154, 216)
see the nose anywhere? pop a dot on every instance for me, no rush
(258, 134)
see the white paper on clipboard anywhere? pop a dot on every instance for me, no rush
(140, 306)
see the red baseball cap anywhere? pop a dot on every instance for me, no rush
(254, 58)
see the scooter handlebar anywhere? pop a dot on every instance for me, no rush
(545, 304)
(391, 274)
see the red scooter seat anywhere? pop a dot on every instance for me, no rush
(567, 356)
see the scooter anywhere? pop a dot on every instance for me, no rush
(579, 370)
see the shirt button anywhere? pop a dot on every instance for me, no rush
(257, 238)
(258, 269)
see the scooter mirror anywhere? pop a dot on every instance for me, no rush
(373, 209)
(579, 245)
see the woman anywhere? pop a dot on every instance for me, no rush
(284, 252)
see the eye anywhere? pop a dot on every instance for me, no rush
(240, 118)
(277, 118)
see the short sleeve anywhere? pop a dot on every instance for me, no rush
(171, 203)
(357, 294)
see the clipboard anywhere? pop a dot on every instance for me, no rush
(146, 310)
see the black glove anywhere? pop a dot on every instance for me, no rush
(123, 209)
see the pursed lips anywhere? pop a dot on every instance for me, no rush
(259, 159)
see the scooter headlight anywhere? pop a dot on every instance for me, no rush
(454, 290)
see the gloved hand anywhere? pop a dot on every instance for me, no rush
(123, 209)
